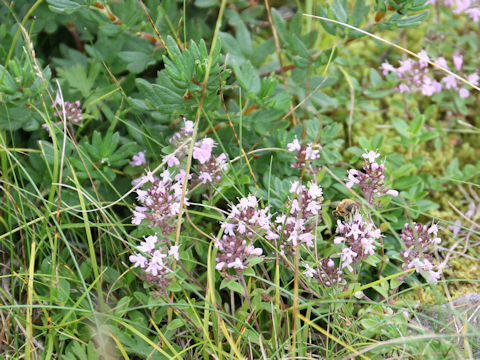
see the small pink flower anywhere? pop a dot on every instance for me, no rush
(309, 272)
(237, 264)
(148, 245)
(315, 191)
(392, 192)
(423, 58)
(403, 88)
(203, 150)
(433, 229)
(294, 145)
(371, 156)
(139, 159)
(174, 252)
(139, 215)
(58, 100)
(462, 5)
(474, 13)
(348, 258)
(464, 93)
(450, 82)
(457, 61)
(172, 161)
(188, 127)
(386, 68)
(138, 260)
(205, 177)
(473, 78)
(441, 61)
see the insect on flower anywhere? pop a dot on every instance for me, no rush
(345, 208)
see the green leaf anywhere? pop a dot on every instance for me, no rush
(136, 61)
(375, 78)
(365, 144)
(412, 21)
(395, 283)
(453, 169)
(401, 126)
(428, 135)
(244, 40)
(382, 289)
(255, 261)
(360, 11)
(403, 170)
(416, 124)
(328, 26)
(232, 284)
(122, 305)
(66, 6)
(247, 77)
(406, 182)
(8, 85)
(174, 324)
(206, 3)
(340, 12)
(377, 142)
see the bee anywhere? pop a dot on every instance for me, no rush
(345, 208)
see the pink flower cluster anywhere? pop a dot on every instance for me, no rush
(297, 227)
(372, 180)
(160, 203)
(469, 7)
(73, 112)
(155, 258)
(210, 168)
(327, 273)
(305, 154)
(419, 239)
(450, 82)
(244, 224)
(417, 77)
(359, 237)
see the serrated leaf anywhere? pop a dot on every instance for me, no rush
(136, 61)
(247, 77)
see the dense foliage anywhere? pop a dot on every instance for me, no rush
(212, 179)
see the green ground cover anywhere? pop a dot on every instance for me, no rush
(212, 179)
